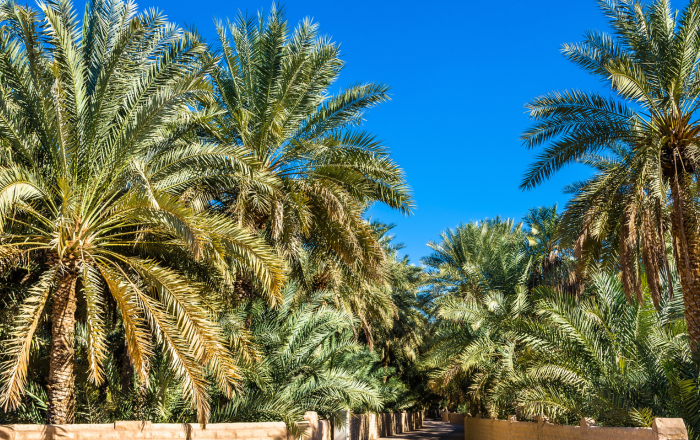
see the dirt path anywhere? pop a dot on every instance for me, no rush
(433, 430)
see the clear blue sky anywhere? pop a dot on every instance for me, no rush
(460, 72)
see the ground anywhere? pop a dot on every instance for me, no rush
(434, 430)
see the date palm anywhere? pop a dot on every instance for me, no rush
(624, 221)
(552, 262)
(477, 257)
(651, 62)
(274, 89)
(365, 298)
(399, 338)
(478, 275)
(620, 364)
(98, 121)
(304, 345)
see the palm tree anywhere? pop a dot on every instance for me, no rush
(274, 89)
(651, 62)
(303, 346)
(477, 257)
(398, 338)
(552, 259)
(479, 275)
(98, 121)
(626, 225)
(599, 357)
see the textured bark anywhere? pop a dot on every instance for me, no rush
(664, 253)
(368, 334)
(651, 252)
(628, 238)
(61, 383)
(684, 225)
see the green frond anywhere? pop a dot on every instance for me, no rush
(97, 344)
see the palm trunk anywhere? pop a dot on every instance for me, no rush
(61, 384)
(126, 373)
(685, 231)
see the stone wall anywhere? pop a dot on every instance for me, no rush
(147, 431)
(364, 427)
(454, 418)
(374, 426)
(476, 428)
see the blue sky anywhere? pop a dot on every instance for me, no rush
(460, 74)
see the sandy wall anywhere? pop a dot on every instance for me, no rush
(476, 428)
(146, 430)
(362, 427)
(455, 418)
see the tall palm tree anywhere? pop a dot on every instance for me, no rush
(274, 89)
(625, 225)
(99, 150)
(479, 275)
(651, 61)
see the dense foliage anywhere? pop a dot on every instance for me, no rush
(182, 230)
(504, 348)
(184, 234)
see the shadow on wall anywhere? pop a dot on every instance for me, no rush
(367, 426)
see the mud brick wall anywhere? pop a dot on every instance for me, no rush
(476, 428)
(455, 418)
(147, 431)
(318, 429)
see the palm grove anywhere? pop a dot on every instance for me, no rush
(184, 233)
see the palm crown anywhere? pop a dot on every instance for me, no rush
(273, 86)
(480, 273)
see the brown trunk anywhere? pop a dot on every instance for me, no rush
(628, 238)
(664, 251)
(61, 383)
(651, 252)
(685, 232)
(368, 334)
(126, 372)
